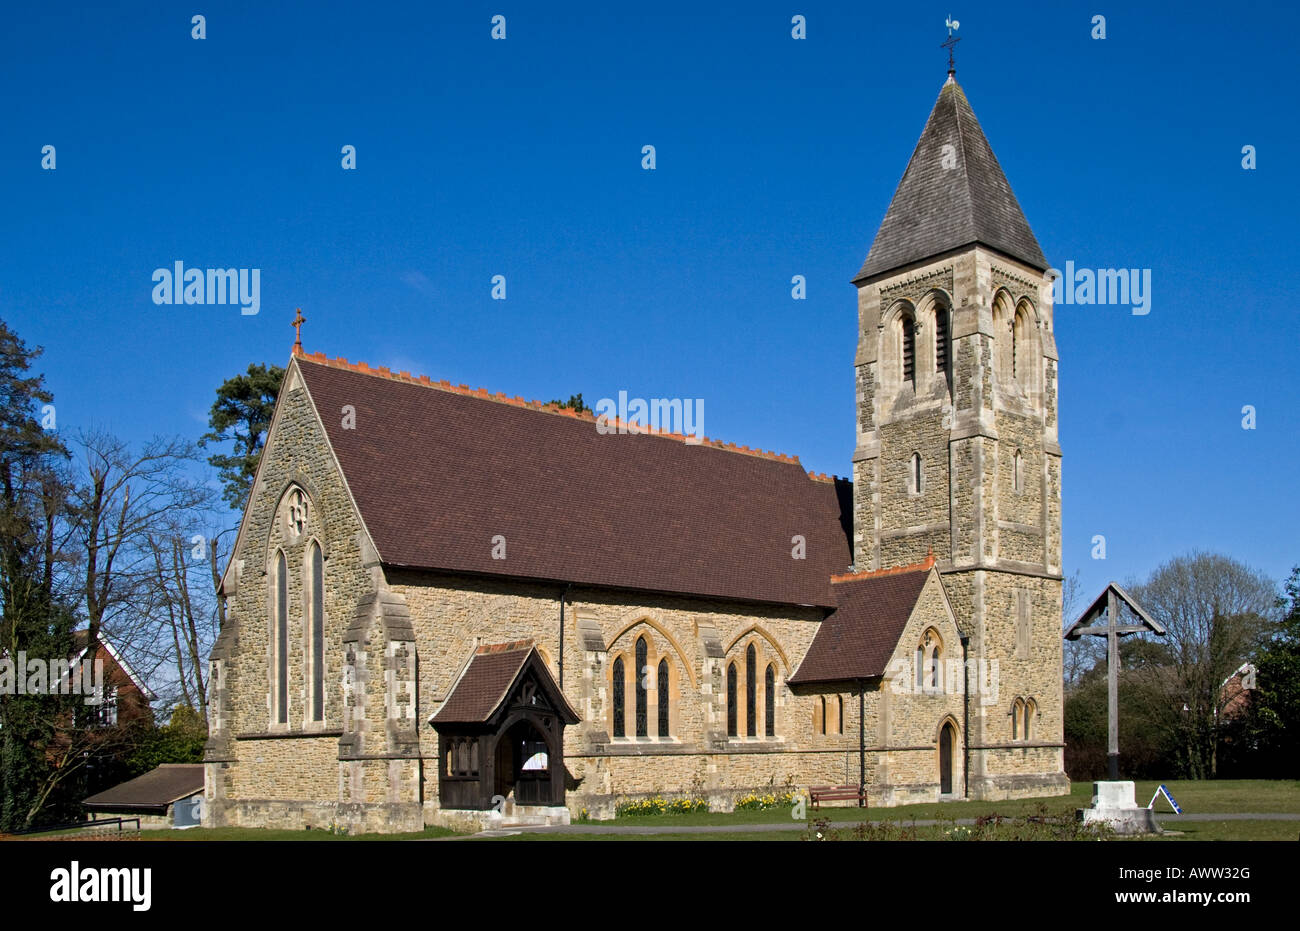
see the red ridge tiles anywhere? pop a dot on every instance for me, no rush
(924, 565)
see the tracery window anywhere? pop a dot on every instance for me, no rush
(316, 612)
(296, 513)
(617, 686)
(662, 696)
(731, 700)
(769, 695)
(642, 672)
(281, 639)
(751, 692)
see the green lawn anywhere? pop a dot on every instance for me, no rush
(1223, 796)
(1201, 830)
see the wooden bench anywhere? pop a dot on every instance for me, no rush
(819, 794)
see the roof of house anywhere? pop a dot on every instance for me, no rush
(439, 473)
(153, 791)
(488, 680)
(79, 638)
(857, 640)
(940, 205)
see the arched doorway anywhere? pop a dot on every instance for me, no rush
(524, 765)
(947, 746)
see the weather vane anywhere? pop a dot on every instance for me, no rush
(298, 321)
(951, 44)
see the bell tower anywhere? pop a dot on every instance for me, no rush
(957, 450)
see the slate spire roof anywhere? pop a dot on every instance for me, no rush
(937, 209)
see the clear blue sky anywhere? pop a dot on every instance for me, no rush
(775, 157)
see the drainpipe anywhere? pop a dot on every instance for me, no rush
(965, 724)
(559, 662)
(862, 739)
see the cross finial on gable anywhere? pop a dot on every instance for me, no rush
(298, 321)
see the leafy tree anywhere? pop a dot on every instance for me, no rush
(32, 501)
(180, 740)
(1264, 741)
(241, 415)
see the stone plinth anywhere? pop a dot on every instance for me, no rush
(1115, 805)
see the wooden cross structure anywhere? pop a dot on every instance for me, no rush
(1102, 619)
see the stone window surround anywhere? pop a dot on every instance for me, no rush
(274, 659)
(308, 724)
(925, 368)
(929, 651)
(653, 656)
(295, 494)
(1019, 365)
(1022, 714)
(736, 655)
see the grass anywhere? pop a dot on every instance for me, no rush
(1223, 796)
(1191, 831)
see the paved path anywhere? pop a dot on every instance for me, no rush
(749, 828)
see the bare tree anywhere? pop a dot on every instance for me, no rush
(185, 609)
(1078, 656)
(1215, 610)
(137, 509)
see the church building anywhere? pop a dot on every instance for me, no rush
(447, 606)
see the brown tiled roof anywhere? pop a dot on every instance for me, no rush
(487, 681)
(153, 791)
(858, 639)
(437, 472)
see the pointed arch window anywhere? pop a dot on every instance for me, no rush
(839, 714)
(642, 672)
(662, 698)
(1031, 709)
(618, 686)
(769, 699)
(316, 569)
(751, 691)
(281, 639)
(819, 715)
(916, 474)
(909, 351)
(1018, 475)
(731, 700)
(1017, 709)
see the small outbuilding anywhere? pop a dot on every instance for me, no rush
(170, 796)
